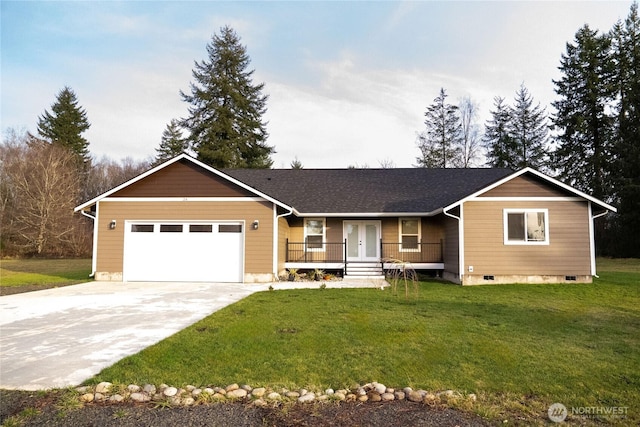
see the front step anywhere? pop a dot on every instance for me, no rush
(364, 269)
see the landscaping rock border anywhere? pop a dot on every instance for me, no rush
(165, 395)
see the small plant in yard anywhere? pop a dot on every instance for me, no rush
(403, 274)
(323, 286)
(69, 400)
(293, 275)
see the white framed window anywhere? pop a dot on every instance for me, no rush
(314, 234)
(410, 229)
(526, 226)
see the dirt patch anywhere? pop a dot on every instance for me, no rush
(37, 409)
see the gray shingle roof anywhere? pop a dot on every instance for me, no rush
(372, 191)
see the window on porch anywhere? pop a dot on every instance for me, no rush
(314, 234)
(409, 234)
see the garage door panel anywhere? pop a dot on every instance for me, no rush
(211, 252)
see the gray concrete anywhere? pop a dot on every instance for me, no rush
(63, 336)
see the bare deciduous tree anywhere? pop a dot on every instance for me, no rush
(469, 133)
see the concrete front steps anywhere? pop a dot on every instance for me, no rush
(364, 270)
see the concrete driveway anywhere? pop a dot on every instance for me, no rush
(60, 337)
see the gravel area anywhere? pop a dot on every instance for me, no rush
(40, 409)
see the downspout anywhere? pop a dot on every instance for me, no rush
(94, 245)
(275, 239)
(592, 239)
(460, 241)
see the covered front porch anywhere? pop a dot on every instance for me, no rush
(355, 260)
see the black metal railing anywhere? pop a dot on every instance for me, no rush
(316, 251)
(312, 252)
(416, 253)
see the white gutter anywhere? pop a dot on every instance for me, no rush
(460, 239)
(592, 238)
(275, 238)
(94, 249)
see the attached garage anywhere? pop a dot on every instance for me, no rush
(171, 251)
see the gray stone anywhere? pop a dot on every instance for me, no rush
(414, 396)
(170, 391)
(98, 397)
(380, 388)
(307, 398)
(258, 392)
(188, 401)
(133, 388)
(374, 396)
(208, 390)
(116, 398)
(238, 393)
(363, 398)
(274, 396)
(329, 391)
(386, 397)
(340, 395)
(232, 387)
(407, 390)
(103, 387)
(140, 397)
(196, 392)
(292, 394)
(260, 403)
(87, 397)
(149, 389)
(246, 387)
(399, 395)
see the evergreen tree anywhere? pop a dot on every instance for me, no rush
(497, 140)
(66, 124)
(171, 144)
(626, 53)
(529, 130)
(439, 144)
(585, 127)
(296, 164)
(225, 114)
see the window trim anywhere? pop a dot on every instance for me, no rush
(505, 222)
(400, 234)
(324, 234)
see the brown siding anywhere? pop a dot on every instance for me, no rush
(451, 244)
(567, 253)
(283, 235)
(183, 179)
(258, 243)
(526, 186)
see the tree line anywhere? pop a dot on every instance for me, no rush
(595, 129)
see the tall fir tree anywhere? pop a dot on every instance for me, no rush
(498, 142)
(529, 130)
(66, 123)
(225, 123)
(439, 144)
(585, 128)
(171, 144)
(626, 149)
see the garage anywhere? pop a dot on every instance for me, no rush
(184, 251)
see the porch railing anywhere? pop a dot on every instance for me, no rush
(417, 253)
(316, 251)
(336, 252)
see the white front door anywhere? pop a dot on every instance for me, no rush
(363, 240)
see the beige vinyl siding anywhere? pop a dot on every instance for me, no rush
(567, 253)
(526, 186)
(283, 235)
(451, 243)
(258, 243)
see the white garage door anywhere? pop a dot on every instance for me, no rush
(184, 251)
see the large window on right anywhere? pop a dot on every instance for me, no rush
(526, 226)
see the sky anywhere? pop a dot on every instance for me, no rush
(348, 82)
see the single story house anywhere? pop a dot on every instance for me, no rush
(186, 221)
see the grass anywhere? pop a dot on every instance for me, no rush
(43, 272)
(518, 347)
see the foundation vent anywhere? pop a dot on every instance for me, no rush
(570, 278)
(489, 278)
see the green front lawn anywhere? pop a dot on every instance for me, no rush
(34, 273)
(518, 347)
